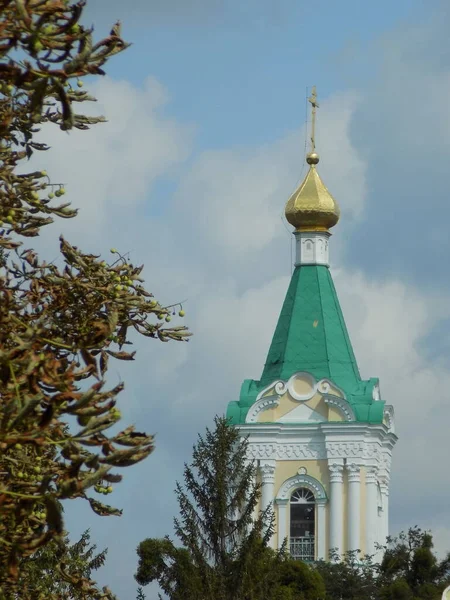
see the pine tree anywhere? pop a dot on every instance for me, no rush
(224, 553)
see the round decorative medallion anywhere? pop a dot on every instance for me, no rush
(324, 387)
(302, 471)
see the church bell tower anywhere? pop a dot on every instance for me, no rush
(321, 435)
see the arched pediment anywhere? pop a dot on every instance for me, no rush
(301, 395)
(286, 489)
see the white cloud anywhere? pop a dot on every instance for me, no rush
(109, 170)
(387, 322)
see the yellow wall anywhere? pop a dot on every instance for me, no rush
(334, 414)
(287, 404)
(318, 469)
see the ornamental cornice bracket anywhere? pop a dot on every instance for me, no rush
(388, 414)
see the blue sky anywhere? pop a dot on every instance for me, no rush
(204, 144)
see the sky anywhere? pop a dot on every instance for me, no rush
(204, 143)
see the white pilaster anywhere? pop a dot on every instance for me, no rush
(321, 529)
(385, 512)
(282, 506)
(371, 509)
(267, 470)
(312, 248)
(354, 506)
(336, 506)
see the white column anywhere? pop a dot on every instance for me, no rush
(354, 506)
(267, 470)
(282, 506)
(336, 506)
(321, 530)
(371, 509)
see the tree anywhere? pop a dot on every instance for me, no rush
(348, 577)
(298, 581)
(59, 326)
(56, 568)
(140, 594)
(410, 569)
(224, 553)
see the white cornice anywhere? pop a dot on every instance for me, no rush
(369, 444)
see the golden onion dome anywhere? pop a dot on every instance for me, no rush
(311, 207)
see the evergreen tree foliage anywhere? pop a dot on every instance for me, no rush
(224, 552)
(140, 594)
(56, 568)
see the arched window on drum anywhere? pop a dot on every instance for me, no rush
(302, 524)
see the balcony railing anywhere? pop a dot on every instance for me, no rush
(302, 548)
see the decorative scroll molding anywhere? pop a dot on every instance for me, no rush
(306, 481)
(389, 416)
(282, 387)
(343, 406)
(265, 400)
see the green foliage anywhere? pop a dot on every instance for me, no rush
(409, 562)
(59, 327)
(58, 566)
(140, 594)
(224, 553)
(348, 578)
(408, 570)
(298, 581)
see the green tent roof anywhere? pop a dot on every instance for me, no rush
(311, 336)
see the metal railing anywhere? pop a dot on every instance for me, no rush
(302, 548)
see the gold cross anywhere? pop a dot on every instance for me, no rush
(313, 101)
